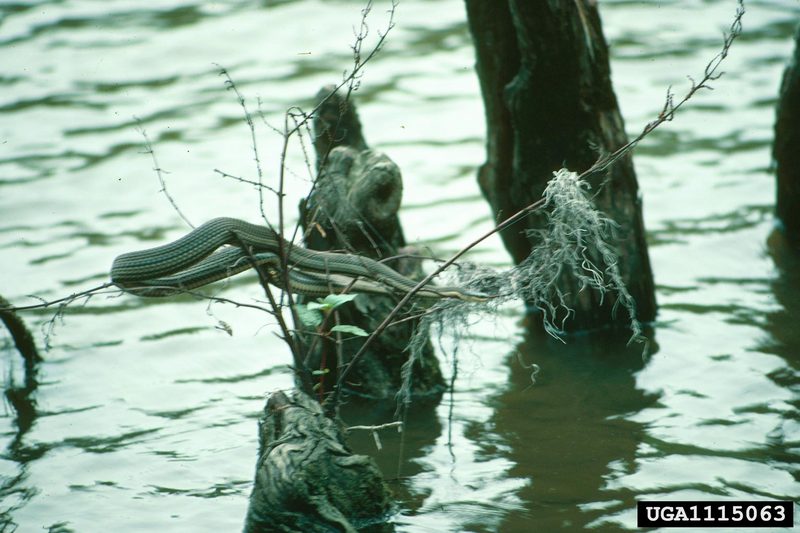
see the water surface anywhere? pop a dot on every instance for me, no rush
(145, 415)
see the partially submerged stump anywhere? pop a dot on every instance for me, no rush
(545, 79)
(355, 204)
(354, 207)
(786, 151)
(307, 479)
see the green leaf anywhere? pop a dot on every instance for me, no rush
(320, 372)
(309, 316)
(331, 301)
(314, 306)
(336, 300)
(355, 330)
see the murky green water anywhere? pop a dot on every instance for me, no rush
(146, 412)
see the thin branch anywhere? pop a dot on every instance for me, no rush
(388, 425)
(148, 146)
(303, 147)
(374, 430)
(711, 73)
(245, 180)
(358, 62)
(283, 253)
(229, 83)
(66, 299)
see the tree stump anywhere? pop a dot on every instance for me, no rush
(786, 151)
(545, 79)
(307, 479)
(354, 207)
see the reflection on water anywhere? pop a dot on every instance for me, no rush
(20, 402)
(143, 415)
(783, 341)
(576, 434)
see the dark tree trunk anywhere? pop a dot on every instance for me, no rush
(786, 150)
(546, 85)
(354, 207)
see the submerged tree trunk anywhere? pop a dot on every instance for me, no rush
(546, 85)
(786, 151)
(354, 208)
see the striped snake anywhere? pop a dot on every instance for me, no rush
(194, 260)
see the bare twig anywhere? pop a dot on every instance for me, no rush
(66, 299)
(253, 143)
(245, 180)
(711, 73)
(282, 251)
(305, 126)
(388, 425)
(148, 146)
(374, 430)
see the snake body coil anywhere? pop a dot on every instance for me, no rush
(194, 260)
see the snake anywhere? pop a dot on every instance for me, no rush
(201, 257)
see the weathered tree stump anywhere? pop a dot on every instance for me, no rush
(307, 479)
(354, 207)
(786, 151)
(546, 85)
